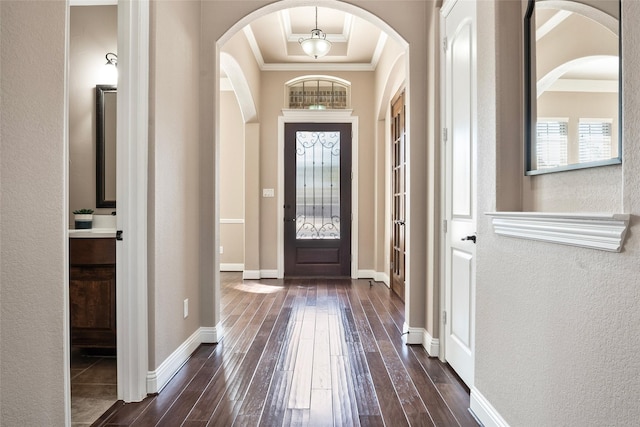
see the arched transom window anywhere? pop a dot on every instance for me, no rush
(318, 93)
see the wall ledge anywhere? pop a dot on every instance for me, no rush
(605, 232)
(305, 114)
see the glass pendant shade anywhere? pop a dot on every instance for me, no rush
(317, 45)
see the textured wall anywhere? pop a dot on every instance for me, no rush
(555, 340)
(93, 32)
(33, 223)
(174, 175)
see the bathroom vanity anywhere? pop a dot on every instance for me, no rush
(92, 288)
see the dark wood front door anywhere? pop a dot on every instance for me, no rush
(317, 207)
(398, 170)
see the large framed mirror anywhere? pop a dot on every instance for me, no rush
(572, 85)
(106, 97)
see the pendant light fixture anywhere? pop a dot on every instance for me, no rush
(317, 45)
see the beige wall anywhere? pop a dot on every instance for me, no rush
(93, 31)
(272, 96)
(33, 254)
(173, 176)
(232, 178)
(553, 329)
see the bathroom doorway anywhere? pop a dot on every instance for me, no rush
(93, 36)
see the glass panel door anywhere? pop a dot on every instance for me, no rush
(317, 230)
(317, 185)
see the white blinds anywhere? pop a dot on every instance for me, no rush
(595, 141)
(551, 144)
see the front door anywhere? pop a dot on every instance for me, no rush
(398, 171)
(460, 188)
(317, 199)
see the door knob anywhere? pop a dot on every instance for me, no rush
(399, 222)
(472, 238)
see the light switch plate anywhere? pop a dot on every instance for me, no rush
(268, 192)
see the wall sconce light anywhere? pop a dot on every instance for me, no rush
(110, 73)
(112, 59)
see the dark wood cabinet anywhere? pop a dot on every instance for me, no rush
(92, 292)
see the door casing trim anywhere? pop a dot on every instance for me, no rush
(307, 116)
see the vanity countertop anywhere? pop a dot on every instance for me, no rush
(93, 233)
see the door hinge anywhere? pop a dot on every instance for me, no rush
(444, 317)
(444, 225)
(119, 235)
(445, 44)
(445, 134)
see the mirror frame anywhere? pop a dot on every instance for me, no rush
(101, 202)
(530, 85)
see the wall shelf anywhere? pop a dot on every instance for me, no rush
(604, 232)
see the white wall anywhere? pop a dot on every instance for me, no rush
(555, 326)
(33, 223)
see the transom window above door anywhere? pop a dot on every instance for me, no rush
(318, 93)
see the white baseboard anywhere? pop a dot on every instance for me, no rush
(251, 275)
(158, 379)
(228, 266)
(384, 278)
(430, 344)
(210, 335)
(268, 274)
(412, 335)
(366, 274)
(375, 275)
(484, 411)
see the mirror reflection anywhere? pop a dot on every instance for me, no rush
(106, 99)
(573, 87)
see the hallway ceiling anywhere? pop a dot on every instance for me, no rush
(356, 44)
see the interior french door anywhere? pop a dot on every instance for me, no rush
(317, 207)
(398, 170)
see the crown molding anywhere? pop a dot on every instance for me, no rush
(322, 66)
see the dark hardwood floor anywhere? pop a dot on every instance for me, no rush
(305, 352)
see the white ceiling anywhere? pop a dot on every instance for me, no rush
(356, 43)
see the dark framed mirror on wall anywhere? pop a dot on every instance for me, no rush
(106, 100)
(573, 88)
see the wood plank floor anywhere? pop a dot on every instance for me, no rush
(311, 352)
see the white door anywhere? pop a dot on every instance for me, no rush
(460, 181)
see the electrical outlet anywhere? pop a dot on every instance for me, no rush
(221, 250)
(268, 192)
(185, 308)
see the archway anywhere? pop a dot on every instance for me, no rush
(238, 19)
